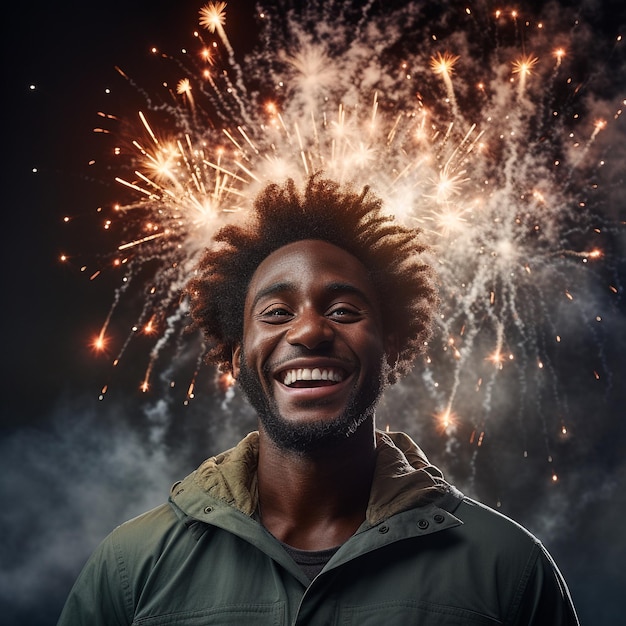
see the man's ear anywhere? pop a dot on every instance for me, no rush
(236, 361)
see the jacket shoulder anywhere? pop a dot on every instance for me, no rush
(105, 592)
(490, 524)
(495, 540)
(146, 530)
(499, 549)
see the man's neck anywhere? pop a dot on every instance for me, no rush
(316, 501)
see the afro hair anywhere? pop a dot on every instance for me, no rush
(323, 210)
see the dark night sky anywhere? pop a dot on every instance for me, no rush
(74, 467)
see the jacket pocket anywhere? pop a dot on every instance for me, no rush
(236, 615)
(406, 613)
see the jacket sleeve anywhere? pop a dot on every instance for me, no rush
(545, 599)
(101, 595)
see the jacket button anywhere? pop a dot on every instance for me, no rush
(422, 524)
(208, 509)
(438, 517)
(383, 529)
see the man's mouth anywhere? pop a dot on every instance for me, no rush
(312, 377)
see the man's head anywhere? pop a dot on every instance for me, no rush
(314, 306)
(313, 355)
(325, 211)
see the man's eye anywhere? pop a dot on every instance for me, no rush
(344, 313)
(275, 314)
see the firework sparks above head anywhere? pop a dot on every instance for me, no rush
(486, 146)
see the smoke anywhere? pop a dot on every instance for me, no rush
(65, 487)
(97, 464)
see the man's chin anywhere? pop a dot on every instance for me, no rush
(307, 437)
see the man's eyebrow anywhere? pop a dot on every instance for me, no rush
(272, 289)
(351, 289)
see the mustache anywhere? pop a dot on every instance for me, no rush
(297, 353)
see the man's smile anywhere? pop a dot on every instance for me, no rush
(311, 377)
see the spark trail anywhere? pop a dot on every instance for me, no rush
(476, 126)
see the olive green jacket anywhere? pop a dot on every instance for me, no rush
(424, 555)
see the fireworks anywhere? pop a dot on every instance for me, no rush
(212, 17)
(487, 147)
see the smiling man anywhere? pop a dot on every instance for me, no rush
(318, 518)
(313, 345)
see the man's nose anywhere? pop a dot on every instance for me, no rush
(310, 329)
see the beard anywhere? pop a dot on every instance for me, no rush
(306, 438)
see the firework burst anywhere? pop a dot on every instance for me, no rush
(486, 147)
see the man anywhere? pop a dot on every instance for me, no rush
(317, 518)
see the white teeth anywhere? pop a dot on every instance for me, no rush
(291, 376)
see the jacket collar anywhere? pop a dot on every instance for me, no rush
(403, 478)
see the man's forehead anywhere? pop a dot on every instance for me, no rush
(331, 288)
(311, 259)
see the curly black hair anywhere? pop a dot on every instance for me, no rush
(323, 210)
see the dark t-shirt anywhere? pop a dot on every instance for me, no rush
(311, 562)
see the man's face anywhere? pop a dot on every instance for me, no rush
(313, 354)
